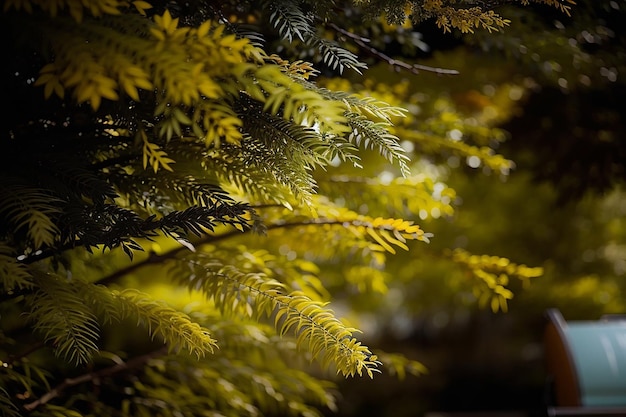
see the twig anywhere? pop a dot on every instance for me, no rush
(93, 376)
(396, 63)
(158, 258)
(154, 258)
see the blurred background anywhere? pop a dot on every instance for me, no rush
(553, 86)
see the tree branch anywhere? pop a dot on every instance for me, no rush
(93, 376)
(413, 68)
(154, 258)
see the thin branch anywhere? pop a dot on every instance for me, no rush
(154, 258)
(147, 228)
(348, 34)
(396, 63)
(94, 376)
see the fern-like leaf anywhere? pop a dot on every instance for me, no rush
(492, 275)
(337, 231)
(160, 194)
(290, 20)
(72, 176)
(107, 225)
(102, 301)
(262, 386)
(400, 197)
(172, 326)
(113, 226)
(337, 57)
(7, 408)
(367, 106)
(29, 211)
(376, 135)
(245, 31)
(284, 149)
(231, 167)
(315, 327)
(153, 155)
(199, 219)
(13, 274)
(59, 313)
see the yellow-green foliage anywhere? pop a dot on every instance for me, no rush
(30, 210)
(252, 294)
(189, 68)
(435, 124)
(491, 275)
(14, 275)
(465, 16)
(166, 233)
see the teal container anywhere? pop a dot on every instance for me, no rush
(587, 361)
(599, 354)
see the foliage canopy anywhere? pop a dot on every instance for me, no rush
(161, 170)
